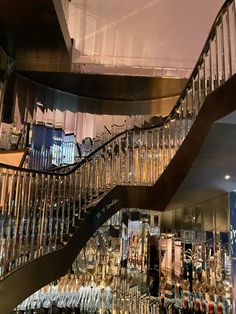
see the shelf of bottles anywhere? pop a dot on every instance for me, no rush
(96, 282)
(196, 259)
(39, 209)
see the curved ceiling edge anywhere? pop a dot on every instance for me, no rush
(161, 106)
(109, 87)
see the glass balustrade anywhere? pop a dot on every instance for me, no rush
(40, 210)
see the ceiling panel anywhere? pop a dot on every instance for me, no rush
(156, 33)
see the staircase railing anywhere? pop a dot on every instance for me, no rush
(40, 210)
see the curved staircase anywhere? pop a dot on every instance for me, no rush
(48, 216)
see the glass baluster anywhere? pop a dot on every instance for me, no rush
(80, 182)
(4, 205)
(135, 159)
(131, 158)
(222, 53)
(193, 99)
(63, 203)
(161, 150)
(232, 19)
(44, 216)
(172, 137)
(29, 215)
(86, 183)
(17, 215)
(99, 174)
(22, 217)
(142, 158)
(128, 157)
(52, 201)
(105, 168)
(114, 156)
(213, 70)
(139, 164)
(119, 157)
(211, 74)
(80, 175)
(100, 180)
(9, 221)
(122, 160)
(28, 226)
(146, 157)
(156, 153)
(56, 210)
(149, 156)
(208, 73)
(225, 59)
(111, 155)
(218, 59)
(177, 128)
(158, 157)
(229, 38)
(41, 178)
(95, 177)
(204, 78)
(199, 89)
(126, 170)
(91, 179)
(165, 146)
(170, 146)
(83, 185)
(69, 199)
(34, 215)
(74, 194)
(190, 108)
(184, 121)
(25, 247)
(152, 157)
(167, 143)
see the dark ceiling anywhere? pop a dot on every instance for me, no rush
(110, 87)
(29, 24)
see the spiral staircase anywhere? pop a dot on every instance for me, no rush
(47, 216)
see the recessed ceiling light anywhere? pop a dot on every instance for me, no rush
(227, 177)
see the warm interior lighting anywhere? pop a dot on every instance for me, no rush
(227, 177)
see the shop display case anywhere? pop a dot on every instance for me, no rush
(138, 268)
